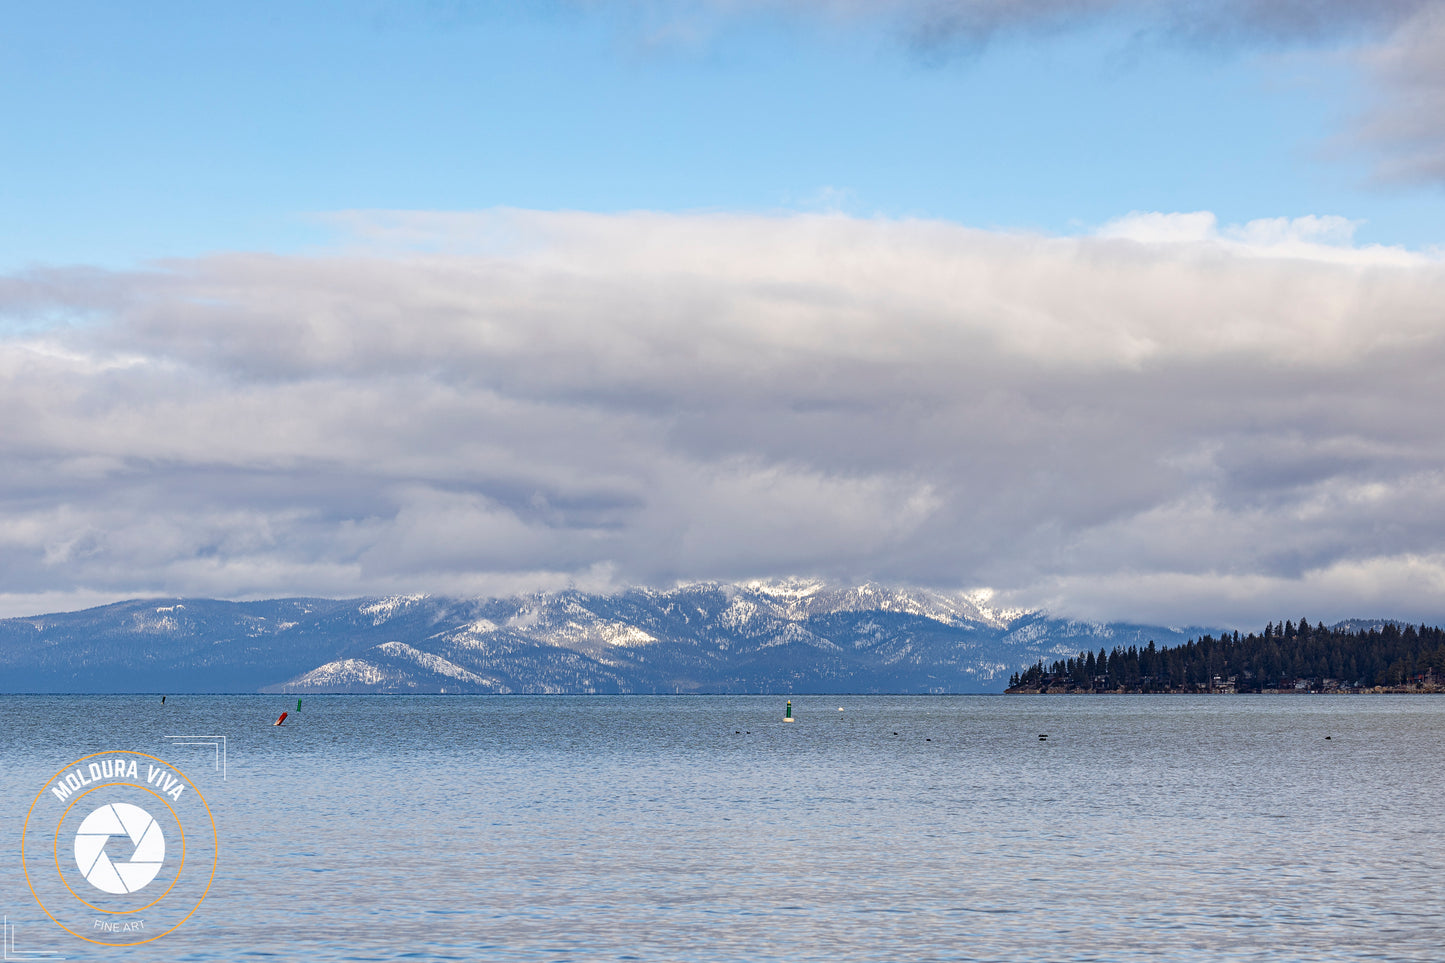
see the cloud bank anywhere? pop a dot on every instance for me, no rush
(1170, 419)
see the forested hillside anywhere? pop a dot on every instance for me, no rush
(1293, 656)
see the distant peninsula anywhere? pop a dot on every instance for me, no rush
(1350, 657)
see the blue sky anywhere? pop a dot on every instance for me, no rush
(142, 131)
(1122, 308)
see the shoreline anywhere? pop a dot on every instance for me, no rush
(1367, 690)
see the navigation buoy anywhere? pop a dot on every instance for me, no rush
(281, 720)
(163, 700)
(788, 712)
(298, 705)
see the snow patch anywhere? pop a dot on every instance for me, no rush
(433, 663)
(154, 625)
(343, 672)
(383, 609)
(620, 633)
(791, 588)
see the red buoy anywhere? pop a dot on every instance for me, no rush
(282, 719)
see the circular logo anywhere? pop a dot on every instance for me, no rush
(119, 848)
(148, 852)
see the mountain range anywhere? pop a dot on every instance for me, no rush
(792, 635)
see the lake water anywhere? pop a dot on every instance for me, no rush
(704, 828)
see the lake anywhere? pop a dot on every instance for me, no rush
(705, 828)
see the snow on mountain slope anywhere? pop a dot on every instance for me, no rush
(344, 674)
(800, 598)
(394, 666)
(793, 634)
(383, 609)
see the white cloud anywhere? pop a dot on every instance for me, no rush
(1162, 418)
(1312, 237)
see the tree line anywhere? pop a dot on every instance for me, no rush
(1289, 655)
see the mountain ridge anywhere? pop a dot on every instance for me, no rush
(795, 635)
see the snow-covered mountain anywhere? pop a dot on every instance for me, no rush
(794, 635)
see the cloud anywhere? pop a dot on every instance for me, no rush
(1310, 236)
(1407, 121)
(1385, 587)
(1171, 417)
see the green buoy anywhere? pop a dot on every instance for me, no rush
(298, 705)
(788, 712)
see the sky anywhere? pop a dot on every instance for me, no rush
(1127, 309)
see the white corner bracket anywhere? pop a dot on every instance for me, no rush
(7, 944)
(216, 742)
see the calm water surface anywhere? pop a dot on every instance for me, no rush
(703, 828)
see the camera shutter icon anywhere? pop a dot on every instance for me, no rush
(146, 858)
